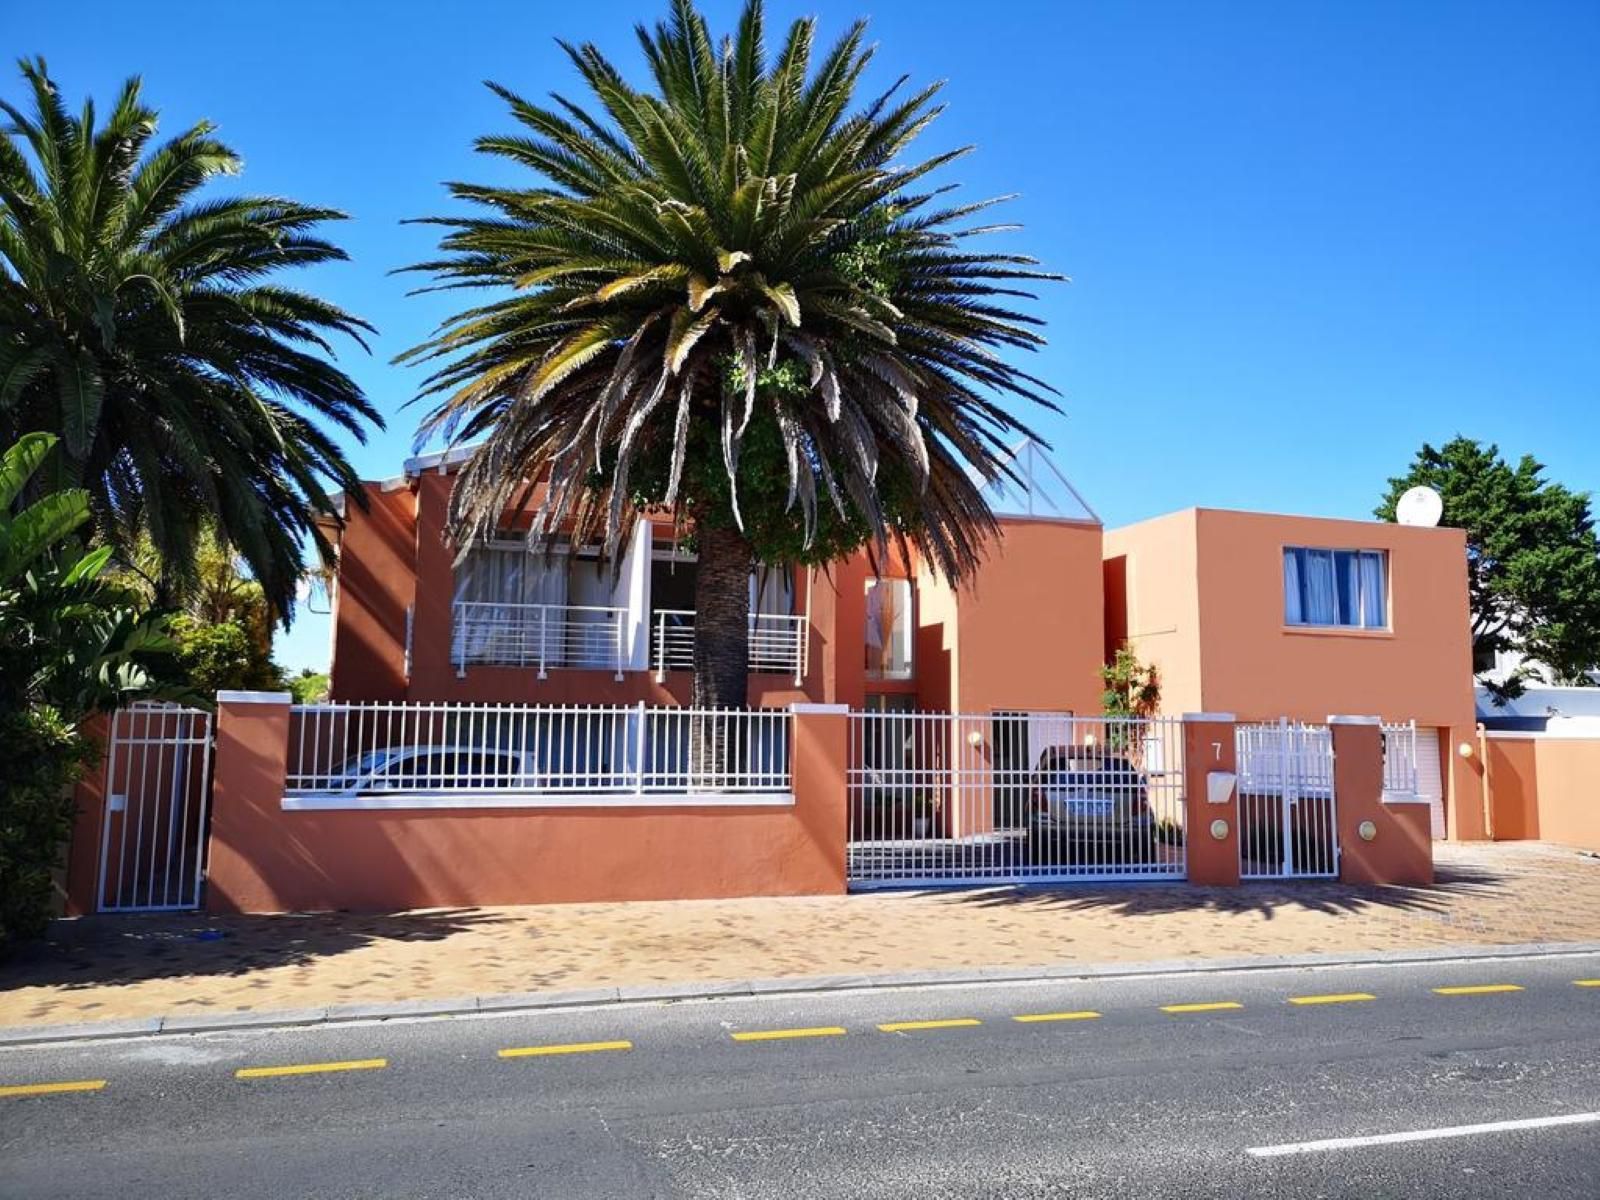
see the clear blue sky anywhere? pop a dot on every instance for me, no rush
(1303, 238)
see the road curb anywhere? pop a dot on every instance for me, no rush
(667, 993)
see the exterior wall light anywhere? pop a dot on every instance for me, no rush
(975, 738)
(1367, 830)
(1088, 740)
(1219, 829)
(1464, 749)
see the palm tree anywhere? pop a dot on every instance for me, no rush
(146, 327)
(731, 299)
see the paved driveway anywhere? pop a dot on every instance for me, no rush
(107, 968)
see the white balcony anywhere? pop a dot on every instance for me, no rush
(545, 636)
(777, 643)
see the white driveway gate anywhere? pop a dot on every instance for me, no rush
(938, 799)
(152, 838)
(1288, 822)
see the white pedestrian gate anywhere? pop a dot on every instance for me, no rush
(157, 783)
(1288, 821)
(940, 799)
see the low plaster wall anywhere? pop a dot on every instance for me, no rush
(1545, 787)
(267, 859)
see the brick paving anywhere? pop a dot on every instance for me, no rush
(106, 968)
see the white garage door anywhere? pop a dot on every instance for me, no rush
(1429, 785)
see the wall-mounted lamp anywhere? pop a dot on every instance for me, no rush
(975, 738)
(1464, 749)
(1219, 829)
(1367, 830)
(1088, 740)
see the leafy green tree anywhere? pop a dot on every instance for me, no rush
(1132, 689)
(1533, 558)
(731, 297)
(309, 687)
(72, 642)
(147, 327)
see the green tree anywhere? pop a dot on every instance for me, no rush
(731, 297)
(309, 687)
(1533, 558)
(1132, 689)
(72, 642)
(147, 327)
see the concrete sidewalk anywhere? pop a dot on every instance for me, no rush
(191, 967)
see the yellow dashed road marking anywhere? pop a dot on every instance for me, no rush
(1212, 1006)
(568, 1048)
(1587, 982)
(354, 1064)
(1479, 989)
(1333, 998)
(948, 1023)
(50, 1089)
(778, 1035)
(1029, 1018)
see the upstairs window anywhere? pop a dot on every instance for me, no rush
(888, 629)
(1339, 589)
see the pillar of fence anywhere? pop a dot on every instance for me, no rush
(250, 767)
(1382, 839)
(819, 758)
(1211, 799)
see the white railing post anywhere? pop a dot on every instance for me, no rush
(544, 617)
(616, 645)
(661, 647)
(639, 752)
(459, 612)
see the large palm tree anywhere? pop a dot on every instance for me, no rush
(730, 297)
(146, 326)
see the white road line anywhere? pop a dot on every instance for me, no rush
(1422, 1135)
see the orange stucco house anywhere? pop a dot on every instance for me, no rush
(1269, 616)
(1259, 615)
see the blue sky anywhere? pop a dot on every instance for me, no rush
(1303, 238)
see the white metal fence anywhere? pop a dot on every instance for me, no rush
(152, 832)
(1400, 759)
(538, 635)
(1288, 819)
(1013, 797)
(777, 643)
(385, 751)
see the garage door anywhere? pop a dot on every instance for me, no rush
(1429, 785)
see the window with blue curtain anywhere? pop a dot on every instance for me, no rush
(1341, 589)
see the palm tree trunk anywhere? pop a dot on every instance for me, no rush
(722, 620)
(721, 650)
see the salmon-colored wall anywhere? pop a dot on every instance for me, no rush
(1032, 622)
(1401, 851)
(88, 816)
(1257, 667)
(1209, 746)
(1159, 611)
(376, 583)
(1546, 787)
(266, 859)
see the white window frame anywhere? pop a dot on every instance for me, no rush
(909, 593)
(1365, 621)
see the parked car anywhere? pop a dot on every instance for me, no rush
(434, 768)
(1088, 807)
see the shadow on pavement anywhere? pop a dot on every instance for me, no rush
(1265, 899)
(97, 951)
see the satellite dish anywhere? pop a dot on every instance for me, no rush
(1419, 506)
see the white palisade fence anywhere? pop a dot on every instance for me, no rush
(430, 755)
(1288, 818)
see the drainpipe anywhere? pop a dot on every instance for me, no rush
(1485, 788)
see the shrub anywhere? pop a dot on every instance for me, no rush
(41, 757)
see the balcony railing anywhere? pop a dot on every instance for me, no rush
(777, 643)
(572, 636)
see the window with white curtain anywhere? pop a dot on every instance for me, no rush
(888, 629)
(1342, 589)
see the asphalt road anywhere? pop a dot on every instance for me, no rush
(668, 1100)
